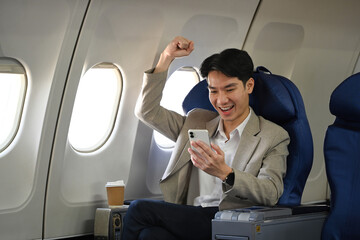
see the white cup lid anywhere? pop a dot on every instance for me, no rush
(119, 183)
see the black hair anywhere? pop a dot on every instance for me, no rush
(231, 62)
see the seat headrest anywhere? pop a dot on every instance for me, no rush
(345, 99)
(198, 97)
(270, 98)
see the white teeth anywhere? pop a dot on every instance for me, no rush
(225, 109)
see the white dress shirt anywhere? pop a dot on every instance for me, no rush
(210, 187)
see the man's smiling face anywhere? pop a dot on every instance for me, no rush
(230, 98)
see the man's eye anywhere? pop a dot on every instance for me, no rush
(230, 90)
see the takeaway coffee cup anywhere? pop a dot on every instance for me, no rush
(115, 193)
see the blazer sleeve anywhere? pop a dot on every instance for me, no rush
(149, 111)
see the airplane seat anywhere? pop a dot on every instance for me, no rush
(342, 161)
(277, 99)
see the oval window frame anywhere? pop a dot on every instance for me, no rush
(115, 109)
(13, 66)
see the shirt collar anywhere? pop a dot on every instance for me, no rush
(239, 129)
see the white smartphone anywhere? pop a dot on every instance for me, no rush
(199, 134)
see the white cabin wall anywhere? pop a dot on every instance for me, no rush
(41, 35)
(316, 44)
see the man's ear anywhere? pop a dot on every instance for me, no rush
(249, 86)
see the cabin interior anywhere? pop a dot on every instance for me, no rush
(53, 169)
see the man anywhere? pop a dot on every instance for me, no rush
(244, 165)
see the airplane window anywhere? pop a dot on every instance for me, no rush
(176, 88)
(12, 96)
(95, 108)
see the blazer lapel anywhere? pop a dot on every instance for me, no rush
(212, 126)
(180, 158)
(248, 143)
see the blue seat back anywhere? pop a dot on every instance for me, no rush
(277, 99)
(342, 160)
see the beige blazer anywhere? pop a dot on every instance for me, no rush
(259, 163)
